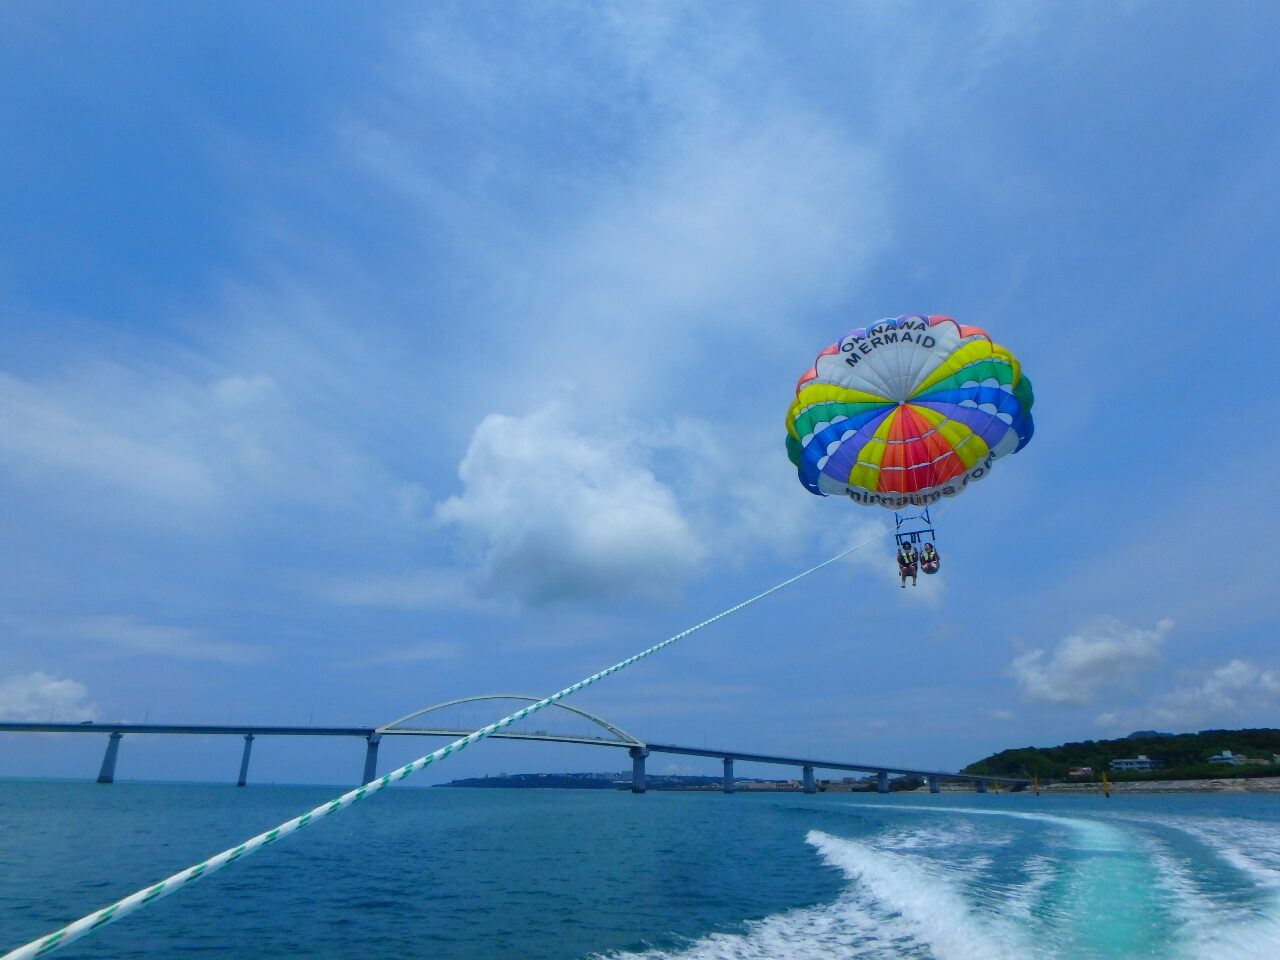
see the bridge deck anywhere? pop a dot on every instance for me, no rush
(826, 764)
(262, 730)
(189, 728)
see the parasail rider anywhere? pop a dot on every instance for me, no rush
(906, 564)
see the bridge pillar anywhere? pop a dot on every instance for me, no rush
(371, 758)
(108, 772)
(882, 782)
(980, 786)
(728, 774)
(244, 760)
(637, 768)
(933, 785)
(809, 785)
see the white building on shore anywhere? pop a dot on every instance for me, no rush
(1140, 762)
(1226, 756)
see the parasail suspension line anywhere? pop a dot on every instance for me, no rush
(135, 901)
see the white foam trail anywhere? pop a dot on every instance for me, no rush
(1023, 899)
(896, 906)
(1104, 905)
(1257, 938)
(1249, 846)
(960, 833)
(1213, 928)
(1099, 890)
(835, 930)
(1097, 836)
(1199, 918)
(929, 905)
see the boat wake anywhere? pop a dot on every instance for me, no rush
(962, 884)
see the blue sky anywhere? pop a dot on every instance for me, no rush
(358, 358)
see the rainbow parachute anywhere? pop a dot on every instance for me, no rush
(907, 411)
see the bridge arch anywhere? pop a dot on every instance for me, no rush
(619, 736)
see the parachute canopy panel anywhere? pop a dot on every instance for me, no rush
(907, 411)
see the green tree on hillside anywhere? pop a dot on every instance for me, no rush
(1182, 756)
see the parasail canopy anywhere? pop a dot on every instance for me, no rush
(907, 411)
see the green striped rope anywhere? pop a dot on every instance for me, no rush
(122, 908)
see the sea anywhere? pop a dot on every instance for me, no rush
(450, 873)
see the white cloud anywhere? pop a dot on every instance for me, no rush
(38, 696)
(1100, 654)
(555, 513)
(1238, 691)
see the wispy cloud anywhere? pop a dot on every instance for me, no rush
(139, 442)
(419, 588)
(118, 635)
(50, 432)
(422, 651)
(730, 217)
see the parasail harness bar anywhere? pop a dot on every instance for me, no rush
(913, 534)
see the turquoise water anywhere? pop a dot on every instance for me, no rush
(566, 874)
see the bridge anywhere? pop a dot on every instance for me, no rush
(610, 735)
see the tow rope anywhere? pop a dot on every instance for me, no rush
(135, 901)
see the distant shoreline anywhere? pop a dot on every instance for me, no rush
(1215, 785)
